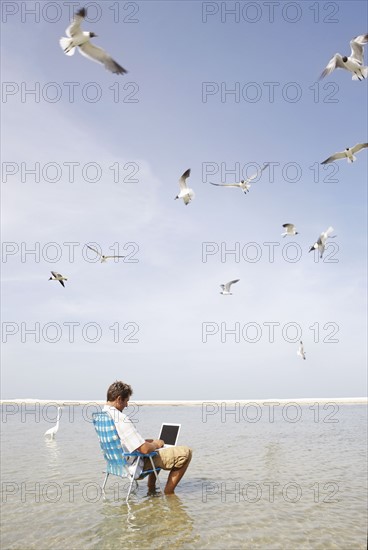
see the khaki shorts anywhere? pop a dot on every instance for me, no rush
(171, 458)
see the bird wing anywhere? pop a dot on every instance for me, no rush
(226, 184)
(301, 350)
(94, 250)
(335, 62)
(98, 54)
(228, 285)
(322, 240)
(61, 282)
(182, 180)
(54, 274)
(357, 47)
(257, 173)
(74, 27)
(328, 231)
(336, 156)
(358, 147)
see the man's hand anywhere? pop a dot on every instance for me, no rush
(157, 442)
(150, 445)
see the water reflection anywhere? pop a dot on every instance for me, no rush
(272, 457)
(154, 520)
(52, 456)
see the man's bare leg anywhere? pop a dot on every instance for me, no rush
(152, 481)
(175, 476)
(173, 479)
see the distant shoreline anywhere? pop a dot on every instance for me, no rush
(191, 403)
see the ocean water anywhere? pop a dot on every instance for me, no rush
(281, 477)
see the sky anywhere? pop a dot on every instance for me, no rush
(90, 157)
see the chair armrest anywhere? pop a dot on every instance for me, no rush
(137, 453)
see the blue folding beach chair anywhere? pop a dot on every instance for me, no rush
(114, 454)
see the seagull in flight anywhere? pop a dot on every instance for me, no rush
(289, 230)
(226, 287)
(58, 277)
(185, 193)
(347, 154)
(244, 185)
(354, 63)
(301, 351)
(80, 39)
(103, 258)
(321, 241)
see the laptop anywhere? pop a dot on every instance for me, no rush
(169, 434)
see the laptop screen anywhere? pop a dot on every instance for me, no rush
(169, 433)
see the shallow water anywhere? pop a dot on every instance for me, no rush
(294, 477)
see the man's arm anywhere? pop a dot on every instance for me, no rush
(150, 445)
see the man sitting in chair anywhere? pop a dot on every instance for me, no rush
(176, 459)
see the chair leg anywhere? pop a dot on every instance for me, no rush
(104, 483)
(130, 488)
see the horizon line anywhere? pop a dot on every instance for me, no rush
(186, 402)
